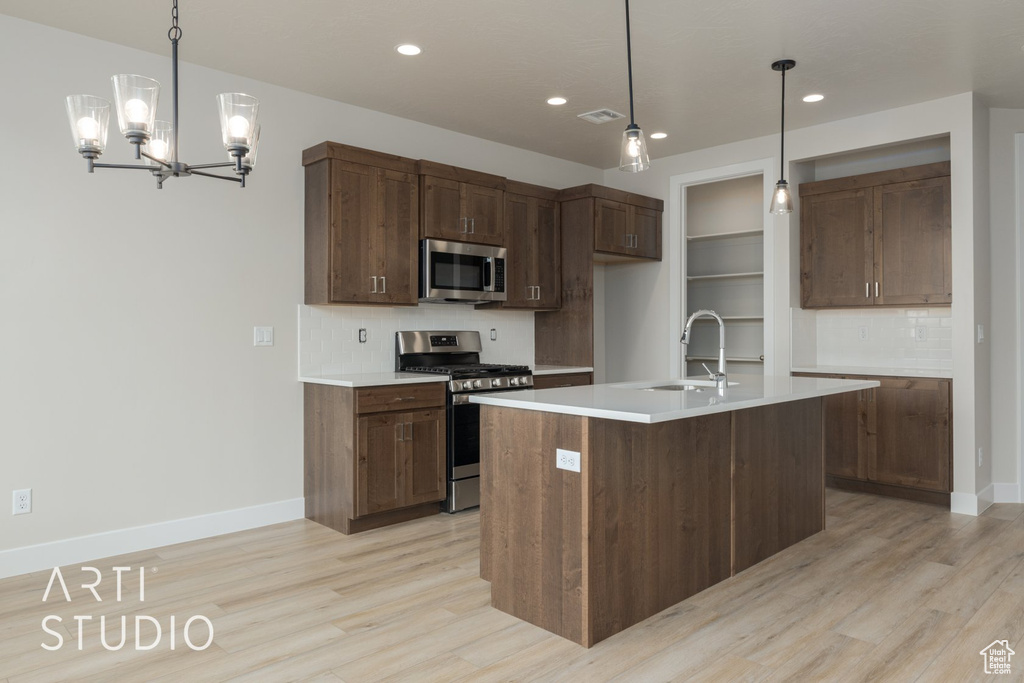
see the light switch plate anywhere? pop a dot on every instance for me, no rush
(567, 460)
(263, 336)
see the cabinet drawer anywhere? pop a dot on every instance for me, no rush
(403, 397)
(558, 381)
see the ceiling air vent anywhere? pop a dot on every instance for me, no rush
(601, 116)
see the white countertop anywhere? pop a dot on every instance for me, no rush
(945, 373)
(624, 401)
(558, 369)
(374, 379)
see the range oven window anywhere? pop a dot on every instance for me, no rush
(458, 271)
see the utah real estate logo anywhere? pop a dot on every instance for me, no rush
(997, 657)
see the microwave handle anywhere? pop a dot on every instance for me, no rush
(489, 274)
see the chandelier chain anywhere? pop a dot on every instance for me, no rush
(174, 33)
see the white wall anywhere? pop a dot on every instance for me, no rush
(130, 392)
(1004, 330)
(643, 334)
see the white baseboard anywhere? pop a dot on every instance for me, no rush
(964, 504)
(986, 497)
(1007, 493)
(34, 558)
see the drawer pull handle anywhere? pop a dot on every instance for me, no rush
(406, 398)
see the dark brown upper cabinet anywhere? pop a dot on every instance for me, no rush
(879, 239)
(533, 239)
(362, 227)
(462, 205)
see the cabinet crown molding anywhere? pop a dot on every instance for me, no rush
(601, 192)
(865, 180)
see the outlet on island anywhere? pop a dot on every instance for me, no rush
(567, 460)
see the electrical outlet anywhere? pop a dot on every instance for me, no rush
(362, 335)
(981, 456)
(981, 334)
(567, 460)
(22, 503)
(921, 333)
(263, 336)
(494, 334)
(862, 333)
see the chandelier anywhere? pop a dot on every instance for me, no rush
(136, 99)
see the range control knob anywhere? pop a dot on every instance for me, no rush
(495, 382)
(514, 381)
(467, 385)
(478, 384)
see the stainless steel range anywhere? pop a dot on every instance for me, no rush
(457, 355)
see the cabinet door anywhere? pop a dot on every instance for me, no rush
(646, 229)
(353, 241)
(836, 249)
(848, 433)
(483, 208)
(442, 209)
(379, 463)
(610, 226)
(914, 437)
(547, 254)
(521, 267)
(423, 470)
(561, 381)
(913, 247)
(398, 222)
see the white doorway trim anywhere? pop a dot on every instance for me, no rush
(1019, 196)
(677, 247)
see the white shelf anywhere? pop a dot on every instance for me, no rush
(733, 318)
(729, 359)
(723, 276)
(724, 235)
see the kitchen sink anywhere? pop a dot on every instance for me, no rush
(685, 384)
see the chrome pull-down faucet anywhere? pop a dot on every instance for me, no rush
(719, 378)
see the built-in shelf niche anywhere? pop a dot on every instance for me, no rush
(725, 259)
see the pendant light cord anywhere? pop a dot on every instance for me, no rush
(629, 67)
(782, 126)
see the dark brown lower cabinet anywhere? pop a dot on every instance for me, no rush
(373, 456)
(894, 440)
(574, 379)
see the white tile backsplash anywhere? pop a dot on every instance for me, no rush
(832, 338)
(329, 341)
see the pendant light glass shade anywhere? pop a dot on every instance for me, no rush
(89, 117)
(633, 156)
(160, 142)
(249, 160)
(238, 116)
(782, 200)
(136, 98)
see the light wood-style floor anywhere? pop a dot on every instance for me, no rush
(892, 590)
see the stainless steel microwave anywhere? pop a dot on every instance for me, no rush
(461, 272)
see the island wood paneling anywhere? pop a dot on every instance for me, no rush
(778, 479)
(658, 528)
(531, 518)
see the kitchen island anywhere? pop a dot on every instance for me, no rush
(671, 490)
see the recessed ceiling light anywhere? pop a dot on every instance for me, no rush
(408, 49)
(658, 136)
(814, 98)
(557, 101)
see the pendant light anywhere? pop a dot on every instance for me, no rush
(136, 98)
(633, 156)
(782, 200)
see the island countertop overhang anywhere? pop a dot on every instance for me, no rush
(625, 401)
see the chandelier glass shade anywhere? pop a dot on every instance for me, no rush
(633, 152)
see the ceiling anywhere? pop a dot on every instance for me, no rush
(701, 69)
